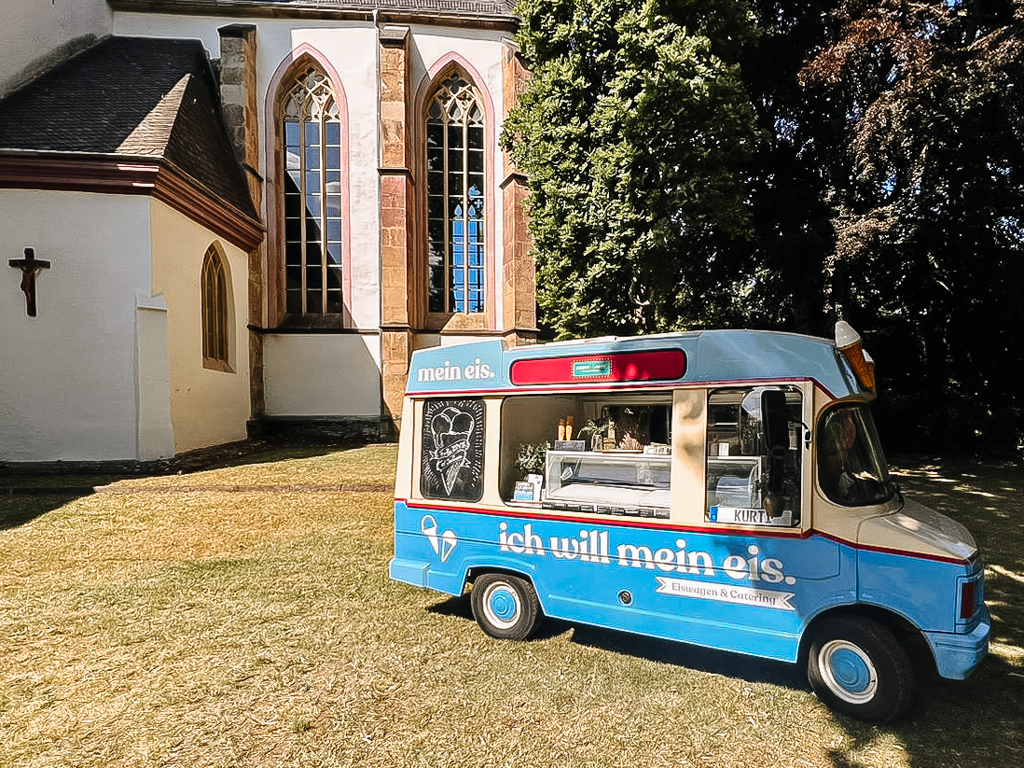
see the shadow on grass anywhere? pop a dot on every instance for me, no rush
(21, 505)
(31, 491)
(974, 722)
(709, 660)
(663, 651)
(979, 721)
(262, 451)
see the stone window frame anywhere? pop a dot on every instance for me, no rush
(454, 123)
(442, 69)
(216, 310)
(280, 88)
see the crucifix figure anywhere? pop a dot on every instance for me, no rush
(30, 266)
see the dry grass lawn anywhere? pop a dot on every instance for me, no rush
(242, 616)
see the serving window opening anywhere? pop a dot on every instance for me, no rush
(754, 456)
(604, 454)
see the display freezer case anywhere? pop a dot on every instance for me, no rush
(610, 483)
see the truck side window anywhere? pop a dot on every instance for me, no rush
(452, 449)
(852, 469)
(753, 456)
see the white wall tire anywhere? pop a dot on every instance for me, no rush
(848, 671)
(857, 667)
(506, 607)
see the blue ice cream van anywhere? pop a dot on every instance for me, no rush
(720, 488)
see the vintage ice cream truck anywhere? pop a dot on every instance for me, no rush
(720, 488)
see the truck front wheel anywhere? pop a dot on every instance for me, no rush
(505, 607)
(857, 667)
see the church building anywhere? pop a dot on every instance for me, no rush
(231, 217)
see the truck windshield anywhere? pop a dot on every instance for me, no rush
(851, 468)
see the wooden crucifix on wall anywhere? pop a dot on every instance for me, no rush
(30, 266)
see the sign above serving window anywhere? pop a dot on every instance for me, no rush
(654, 365)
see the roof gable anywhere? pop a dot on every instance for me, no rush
(132, 97)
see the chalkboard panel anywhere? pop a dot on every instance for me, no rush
(453, 449)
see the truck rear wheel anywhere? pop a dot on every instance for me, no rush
(505, 607)
(857, 667)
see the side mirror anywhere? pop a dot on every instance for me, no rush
(775, 421)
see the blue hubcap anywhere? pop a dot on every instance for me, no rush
(850, 671)
(502, 608)
(503, 604)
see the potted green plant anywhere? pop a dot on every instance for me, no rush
(530, 460)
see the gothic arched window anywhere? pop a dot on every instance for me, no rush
(311, 138)
(214, 296)
(455, 198)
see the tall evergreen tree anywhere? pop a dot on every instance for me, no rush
(634, 130)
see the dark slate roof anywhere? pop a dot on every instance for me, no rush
(130, 96)
(487, 8)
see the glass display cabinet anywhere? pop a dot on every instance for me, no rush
(634, 484)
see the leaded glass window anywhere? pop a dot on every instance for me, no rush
(455, 199)
(311, 133)
(214, 293)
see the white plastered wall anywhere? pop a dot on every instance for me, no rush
(320, 375)
(68, 377)
(156, 433)
(32, 31)
(207, 406)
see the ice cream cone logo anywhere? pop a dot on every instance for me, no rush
(442, 543)
(451, 430)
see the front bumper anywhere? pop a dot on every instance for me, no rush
(956, 656)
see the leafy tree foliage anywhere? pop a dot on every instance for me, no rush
(789, 175)
(633, 131)
(926, 185)
(865, 162)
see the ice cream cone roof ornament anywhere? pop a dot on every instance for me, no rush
(849, 343)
